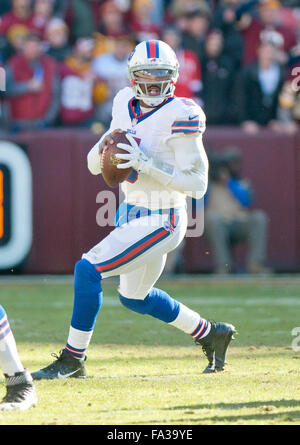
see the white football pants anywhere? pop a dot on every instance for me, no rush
(137, 251)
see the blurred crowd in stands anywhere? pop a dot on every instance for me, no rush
(65, 60)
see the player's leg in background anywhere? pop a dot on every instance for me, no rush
(10, 362)
(20, 390)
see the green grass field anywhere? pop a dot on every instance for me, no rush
(141, 371)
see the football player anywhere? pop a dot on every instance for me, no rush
(20, 390)
(169, 163)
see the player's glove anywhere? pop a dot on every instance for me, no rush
(159, 170)
(135, 157)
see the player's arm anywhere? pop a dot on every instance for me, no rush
(94, 155)
(191, 164)
(190, 173)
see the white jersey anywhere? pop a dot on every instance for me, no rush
(152, 130)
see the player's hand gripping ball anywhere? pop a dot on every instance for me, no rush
(112, 175)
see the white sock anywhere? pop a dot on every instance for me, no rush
(78, 342)
(10, 362)
(191, 323)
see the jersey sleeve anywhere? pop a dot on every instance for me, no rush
(121, 97)
(190, 118)
(93, 158)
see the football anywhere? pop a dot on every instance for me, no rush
(111, 174)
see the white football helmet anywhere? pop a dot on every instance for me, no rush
(153, 71)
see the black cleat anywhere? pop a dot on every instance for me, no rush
(215, 346)
(20, 392)
(63, 367)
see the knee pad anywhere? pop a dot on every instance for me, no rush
(84, 270)
(157, 303)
